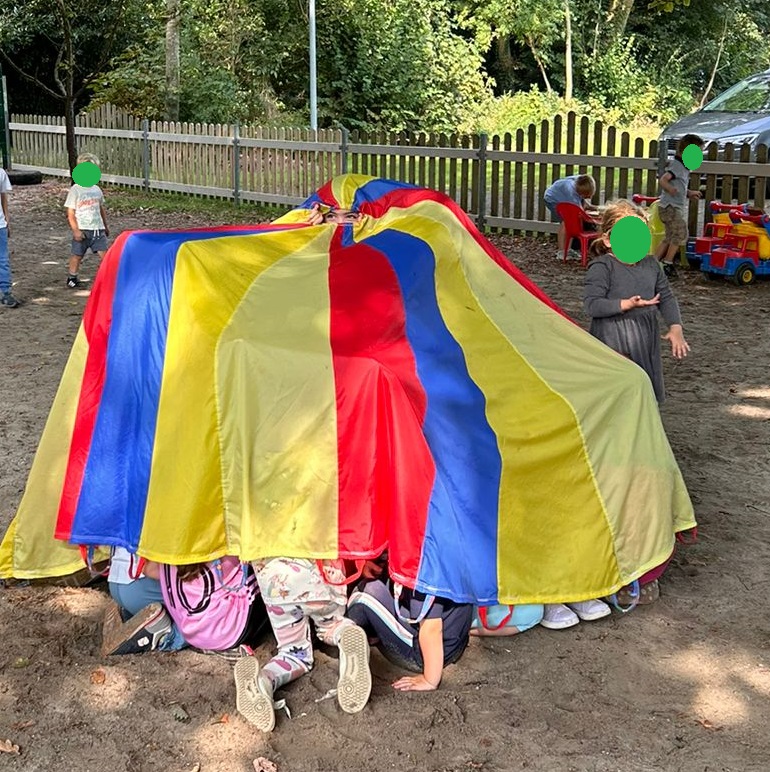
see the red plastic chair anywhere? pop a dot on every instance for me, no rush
(574, 217)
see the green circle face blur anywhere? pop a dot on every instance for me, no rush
(86, 174)
(630, 239)
(692, 157)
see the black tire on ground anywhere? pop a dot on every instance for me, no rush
(712, 276)
(744, 275)
(25, 178)
(694, 263)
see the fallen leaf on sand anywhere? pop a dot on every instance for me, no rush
(223, 719)
(98, 677)
(22, 725)
(6, 746)
(21, 662)
(706, 724)
(262, 764)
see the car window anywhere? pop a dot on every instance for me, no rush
(751, 95)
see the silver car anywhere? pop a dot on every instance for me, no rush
(740, 114)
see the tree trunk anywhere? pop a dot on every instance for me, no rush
(615, 23)
(540, 64)
(567, 52)
(69, 130)
(172, 60)
(716, 65)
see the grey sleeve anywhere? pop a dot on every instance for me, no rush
(668, 306)
(597, 287)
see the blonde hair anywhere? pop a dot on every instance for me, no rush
(613, 212)
(88, 158)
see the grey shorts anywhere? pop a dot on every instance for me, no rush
(674, 223)
(96, 241)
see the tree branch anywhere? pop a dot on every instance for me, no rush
(31, 78)
(716, 65)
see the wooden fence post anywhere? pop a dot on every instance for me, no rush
(145, 155)
(236, 163)
(344, 141)
(481, 202)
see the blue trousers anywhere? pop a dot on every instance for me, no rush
(5, 263)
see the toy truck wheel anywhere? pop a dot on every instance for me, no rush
(694, 263)
(744, 274)
(712, 276)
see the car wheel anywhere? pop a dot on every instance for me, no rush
(744, 275)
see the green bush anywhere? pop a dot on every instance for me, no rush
(510, 112)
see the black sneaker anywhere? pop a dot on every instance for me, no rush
(9, 301)
(143, 632)
(670, 270)
(74, 283)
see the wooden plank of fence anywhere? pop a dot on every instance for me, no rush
(762, 184)
(433, 142)
(625, 142)
(441, 166)
(743, 181)
(542, 179)
(475, 170)
(652, 174)
(392, 161)
(422, 179)
(530, 195)
(454, 141)
(584, 122)
(506, 178)
(638, 153)
(464, 174)
(571, 120)
(518, 177)
(609, 171)
(556, 172)
(494, 193)
(711, 183)
(596, 171)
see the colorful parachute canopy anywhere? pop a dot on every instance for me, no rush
(332, 390)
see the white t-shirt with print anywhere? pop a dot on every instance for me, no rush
(87, 203)
(5, 187)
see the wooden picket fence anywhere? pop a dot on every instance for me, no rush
(499, 181)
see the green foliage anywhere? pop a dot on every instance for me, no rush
(396, 65)
(425, 65)
(510, 112)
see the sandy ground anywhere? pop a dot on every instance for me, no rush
(679, 685)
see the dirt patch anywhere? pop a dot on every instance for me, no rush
(679, 685)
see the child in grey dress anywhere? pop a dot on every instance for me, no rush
(623, 301)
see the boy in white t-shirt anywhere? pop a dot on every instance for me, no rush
(88, 220)
(6, 281)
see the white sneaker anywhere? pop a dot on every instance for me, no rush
(254, 694)
(557, 616)
(590, 610)
(573, 254)
(355, 680)
(559, 254)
